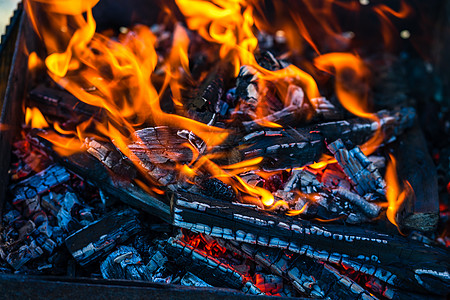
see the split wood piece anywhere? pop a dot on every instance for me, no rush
(415, 264)
(359, 169)
(111, 157)
(39, 183)
(61, 104)
(420, 210)
(289, 148)
(101, 237)
(89, 168)
(308, 276)
(208, 268)
(158, 150)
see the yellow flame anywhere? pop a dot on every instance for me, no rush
(34, 118)
(395, 194)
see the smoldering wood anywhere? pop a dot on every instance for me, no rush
(100, 237)
(40, 182)
(290, 148)
(308, 276)
(207, 268)
(360, 170)
(420, 210)
(418, 265)
(89, 168)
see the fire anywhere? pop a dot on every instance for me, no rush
(34, 118)
(395, 194)
(119, 76)
(221, 21)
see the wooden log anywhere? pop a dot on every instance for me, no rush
(414, 164)
(290, 148)
(416, 265)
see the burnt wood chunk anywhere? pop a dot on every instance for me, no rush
(99, 238)
(420, 210)
(40, 182)
(358, 168)
(416, 265)
(290, 148)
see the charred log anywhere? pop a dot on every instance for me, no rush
(289, 148)
(99, 238)
(420, 210)
(415, 264)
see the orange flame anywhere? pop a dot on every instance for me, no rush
(395, 194)
(34, 118)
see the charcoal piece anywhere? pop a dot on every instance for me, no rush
(64, 216)
(190, 279)
(359, 169)
(39, 183)
(206, 267)
(219, 190)
(24, 254)
(416, 265)
(111, 157)
(414, 164)
(302, 180)
(369, 209)
(157, 260)
(99, 238)
(292, 148)
(125, 263)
